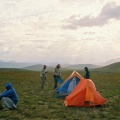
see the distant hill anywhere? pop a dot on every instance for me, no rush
(12, 64)
(115, 67)
(81, 66)
(37, 67)
(109, 62)
(12, 69)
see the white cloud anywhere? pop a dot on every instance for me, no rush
(109, 11)
(31, 30)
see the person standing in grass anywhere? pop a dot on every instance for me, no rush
(43, 76)
(9, 98)
(57, 75)
(87, 74)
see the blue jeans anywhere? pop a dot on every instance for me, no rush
(55, 81)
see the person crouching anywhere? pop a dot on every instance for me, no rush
(9, 98)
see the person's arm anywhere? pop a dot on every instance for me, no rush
(42, 72)
(57, 72)
(46, 71)
(6, 93)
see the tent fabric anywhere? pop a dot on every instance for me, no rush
(84, 94)
(68, 85)
(59, 80)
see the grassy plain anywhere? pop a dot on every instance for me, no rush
(35, 104)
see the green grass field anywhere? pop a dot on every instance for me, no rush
(42, 105)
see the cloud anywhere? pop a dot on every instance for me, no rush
(70, 26)
(109, 11)
(31, 30)
(38, 41)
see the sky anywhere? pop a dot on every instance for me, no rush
(59, 31)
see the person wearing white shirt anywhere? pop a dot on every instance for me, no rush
(43, 76)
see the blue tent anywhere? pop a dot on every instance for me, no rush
(68, 85)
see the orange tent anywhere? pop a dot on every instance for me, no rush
(84, 94)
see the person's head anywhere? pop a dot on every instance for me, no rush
(86, 68)
(58, 66)
(8, 86)
(44, 66)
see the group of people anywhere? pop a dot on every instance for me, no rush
(57, 75)
(9, 98)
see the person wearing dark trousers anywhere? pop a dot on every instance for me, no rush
(87, 74)
(56, 75)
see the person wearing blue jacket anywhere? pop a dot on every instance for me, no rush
(87, 74)
(9, 97)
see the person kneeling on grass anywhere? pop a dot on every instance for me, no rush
(9, 98)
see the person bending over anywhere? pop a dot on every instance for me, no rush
(57, 75)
